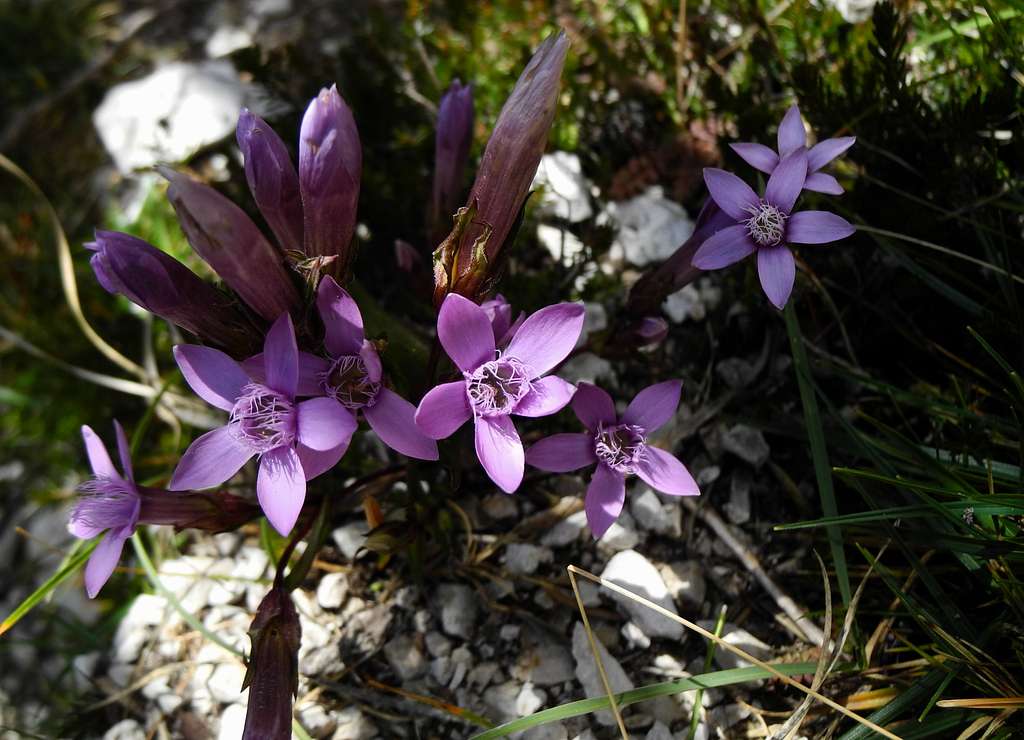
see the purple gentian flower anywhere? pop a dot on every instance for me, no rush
(497, 384)
(791, 138)
(451, 151)
(767, 225)
(619, 447)
(352, 376)
(295, 441)
(108, 502)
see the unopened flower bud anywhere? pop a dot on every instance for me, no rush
(273, 671)
(451, 150)
(272, 179)
(160, 284)
(330, 166)
(226, 238)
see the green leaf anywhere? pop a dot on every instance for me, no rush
(667, 688)
(819, 451)
(74, 560)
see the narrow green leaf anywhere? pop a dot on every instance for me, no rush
(75, 559)
(667, 688)
(819, 451)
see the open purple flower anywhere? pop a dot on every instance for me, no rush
(108, 502)
(352, 375)
(791, 138)
(295, 441)
(619, 447)
(497, 384)
(767, 225)
(499, 311)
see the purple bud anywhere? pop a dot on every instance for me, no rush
(406, 256)
(510, 161)
(222, 234)
(273, 674)
(330, 166)
(451, 150)
(651, 330)
(160, 284)
(272, 179)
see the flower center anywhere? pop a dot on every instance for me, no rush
(263, 419)
(766, 224)
(497, 386)
(620, 447)
(106, 503)
(348, 382)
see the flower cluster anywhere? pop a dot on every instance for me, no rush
(283, 351)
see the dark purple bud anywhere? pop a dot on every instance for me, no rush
(272, 179)
(651, 330)
(163, 286)
(451, 152)
(330, 166)
(210, 511)
(678, 271)
(407, 256)
(507, 168)
(224, 236)
(273, 670)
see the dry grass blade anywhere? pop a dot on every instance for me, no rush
(597, 654)
(734, 650)
(67, 275)
(993, 702)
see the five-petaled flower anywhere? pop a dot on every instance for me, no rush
(296, 441)
(109, 502)
(767, 225)
(618, 445)
(496, 384)
(791, 138)
(352, 375)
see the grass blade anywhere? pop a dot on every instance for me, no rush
(74, 560)
(819, 452)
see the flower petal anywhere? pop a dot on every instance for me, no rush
(561, 453)
(663, 471)
(443, 409)
(99, 460)
(316, 462)
(394, 420)
(654, 405)
(819, 182)
(605, 496)
(311, 368)
(777, 270)
(787, 181)
(343, 324)
(547, 396)
(757, 156)
(730, 193)
(281, 488)
(500, 451)
(547, 336)
(281, 357)
(104, 559)
(825, 151)
(817, 227)
(124, 452)
(724, 248)
(792, 135)
(215, 377)
(465, 332)
(370, 358)
(323, 423)
(593, 406)
(210, 460)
